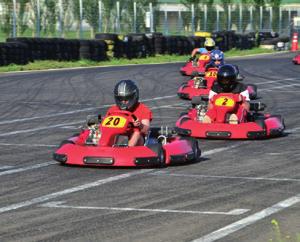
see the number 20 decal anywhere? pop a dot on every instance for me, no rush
(114, 122)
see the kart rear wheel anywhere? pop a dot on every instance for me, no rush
(261, 123)
(254, 94)
(196, 150)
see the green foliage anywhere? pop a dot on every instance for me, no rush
(279, 236)
(50, 16)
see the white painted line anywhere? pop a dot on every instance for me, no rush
(6, 167)
(35, 129)
(29, 145)
(217, 150)
(268, 82)
(70, 127)
(77, 111)
(27, 168)
(231, 228)
(233, 212)
(279, 87)
(164, 173)
(282, 91)
(71, 190)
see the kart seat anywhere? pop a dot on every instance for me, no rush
(121, 141)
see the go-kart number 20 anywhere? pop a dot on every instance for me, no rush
(114, 122)
(224, 101)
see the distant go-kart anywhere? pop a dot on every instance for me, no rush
(296, 59)
(201, 83)
(196, 65)
(257, 125)
(106, 144)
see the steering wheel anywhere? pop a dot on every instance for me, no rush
(131, 117)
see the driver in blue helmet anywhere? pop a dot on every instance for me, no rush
(216, 59)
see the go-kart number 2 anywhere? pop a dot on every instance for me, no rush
(114, 122)
(224, 101)
(211, 74)
(204, 57)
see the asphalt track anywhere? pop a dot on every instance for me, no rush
(231, 194)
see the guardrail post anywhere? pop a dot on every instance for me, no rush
(14, 33)
(100, 16)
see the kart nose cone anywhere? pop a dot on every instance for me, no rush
(60, 157)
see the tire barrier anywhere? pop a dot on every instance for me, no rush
(106, 45)
(115, 46)
(59, 49)
(13, 53)
(245, 41)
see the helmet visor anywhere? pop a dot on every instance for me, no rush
(125, 98)
(226, 80)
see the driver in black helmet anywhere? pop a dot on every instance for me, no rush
(227, 83)
(127, 98)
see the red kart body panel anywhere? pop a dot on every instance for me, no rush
(189, 68)
(121, 156)
(76, 151)
(225, 103)
(296, 60)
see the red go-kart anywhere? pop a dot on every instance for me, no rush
(296, 60)
(197, 65)
(256, 125)
(106, 144)
(201, 84)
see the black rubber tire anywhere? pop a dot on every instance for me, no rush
(254, 95)
(196, 150)
(159, 150)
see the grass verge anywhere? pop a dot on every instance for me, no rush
(279, 236)
(48, 64)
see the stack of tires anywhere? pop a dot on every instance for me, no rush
(137, 46)
(272, 40)
(114, 44)
(219, 38)
(50, 48)
(13, 53)
(95, 50)
(245, 41)
(159, 43)
(195, 42)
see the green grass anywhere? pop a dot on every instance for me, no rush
(44, 65)
(279, 236)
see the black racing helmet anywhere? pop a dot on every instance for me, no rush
(227, 77)
(126, 90)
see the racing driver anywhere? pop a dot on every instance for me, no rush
(227, 83)
(209, 45)
(126, 95)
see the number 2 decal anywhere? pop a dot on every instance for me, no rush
(225, 101)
